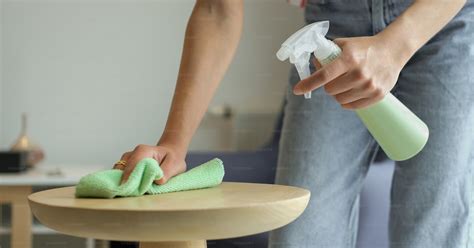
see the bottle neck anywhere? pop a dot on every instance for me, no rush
(327, 51)
(24, 124)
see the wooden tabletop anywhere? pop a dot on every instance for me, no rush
(228, 210)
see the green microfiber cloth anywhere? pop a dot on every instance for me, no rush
(106, 184)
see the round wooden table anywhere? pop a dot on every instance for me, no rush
(178, 220)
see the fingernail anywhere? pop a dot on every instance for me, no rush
(161, 181)
(297, 91)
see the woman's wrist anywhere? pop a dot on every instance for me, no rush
(175, 143)
(399, 49)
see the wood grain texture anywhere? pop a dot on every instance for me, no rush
(228, 210)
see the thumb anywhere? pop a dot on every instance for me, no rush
(340, 41)
(170, 169)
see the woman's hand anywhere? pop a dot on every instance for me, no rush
(362, 76)
(171, 161)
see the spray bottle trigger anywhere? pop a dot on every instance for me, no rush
(302, 67)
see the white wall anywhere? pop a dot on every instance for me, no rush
(97, 76)
(1, 69)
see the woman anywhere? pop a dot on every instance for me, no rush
(421, 50)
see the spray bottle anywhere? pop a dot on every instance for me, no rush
(399, 132)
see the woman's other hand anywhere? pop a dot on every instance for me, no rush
(364, 73)
(171, 161)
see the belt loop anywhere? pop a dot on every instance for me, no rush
(378, 23)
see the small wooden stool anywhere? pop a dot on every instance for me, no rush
(174, 220)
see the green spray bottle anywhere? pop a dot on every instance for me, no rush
(398, 131)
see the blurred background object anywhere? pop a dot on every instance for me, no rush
(12, 162)
(23, 143)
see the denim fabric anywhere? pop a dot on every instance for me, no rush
(327, 149)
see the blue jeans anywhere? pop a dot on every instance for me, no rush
(328, 150)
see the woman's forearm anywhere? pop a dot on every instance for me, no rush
(417, 25)
(212, 36)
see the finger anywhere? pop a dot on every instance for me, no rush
(362, 103)
(321, 77)
(119, 166)
(317, 64)
(350, 96)
(340, 41)
(170, 169)
(130, 166)
(367, 90)
(124, 158)
(342, 84)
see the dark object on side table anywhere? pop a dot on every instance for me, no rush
(13, 161)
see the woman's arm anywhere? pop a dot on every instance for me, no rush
(369, 66)
(212, 36)
(418, 24)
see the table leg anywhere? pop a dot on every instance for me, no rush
(183, 244)
(21, 217)
(101, 243)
